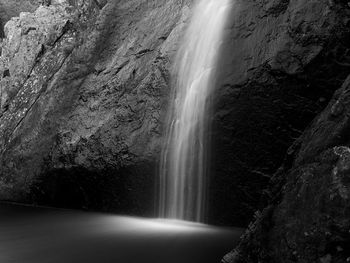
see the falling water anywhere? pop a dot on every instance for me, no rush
(183, 176)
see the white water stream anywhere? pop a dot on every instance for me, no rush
(184, 164)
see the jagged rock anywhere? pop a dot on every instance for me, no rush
(82, 102)
(309, 219)
(9, 9)
(282, 62)
(27, 38)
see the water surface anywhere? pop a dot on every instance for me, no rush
(36, 235)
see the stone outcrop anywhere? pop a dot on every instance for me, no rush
(9, 9)
(308, 219)
(281, 64)
(82, 90)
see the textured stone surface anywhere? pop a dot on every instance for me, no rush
(309, 218)
(312, 222)
(11, 8)
(282, 62)
(83, 86)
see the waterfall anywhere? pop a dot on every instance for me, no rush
(184, 160)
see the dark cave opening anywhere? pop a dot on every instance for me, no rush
(124, 191)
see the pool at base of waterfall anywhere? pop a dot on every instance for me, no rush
(36, 234)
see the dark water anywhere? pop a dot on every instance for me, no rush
(35, 235)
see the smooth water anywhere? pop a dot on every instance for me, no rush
(183, 175)
(41, 235)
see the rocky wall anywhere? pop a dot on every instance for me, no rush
(83, 89)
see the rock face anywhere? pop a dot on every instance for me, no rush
(9, 9)
(308, 218)
(82, 89)
(281, 64)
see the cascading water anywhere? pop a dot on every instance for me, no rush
(183, 174)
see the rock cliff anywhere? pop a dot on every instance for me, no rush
(82, 90)
(9, 9)
(281, 64)
(307, 216)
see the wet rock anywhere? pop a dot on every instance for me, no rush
(81, 108)
(312, 198)
(280, 58)
(9, 9)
